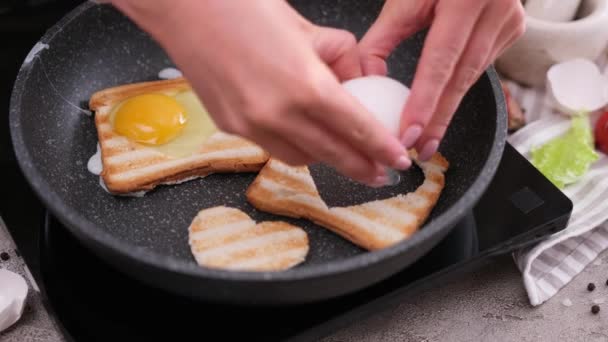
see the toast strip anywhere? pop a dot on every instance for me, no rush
(372, 225)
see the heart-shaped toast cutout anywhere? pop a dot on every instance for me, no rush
(222, 237)
(291, 191)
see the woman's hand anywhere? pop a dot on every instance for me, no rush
(267, 74)
(465, 37)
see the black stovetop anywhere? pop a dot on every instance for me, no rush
(22, 23)
(93, 302)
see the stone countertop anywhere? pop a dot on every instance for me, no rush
(491, 305)
(487, 305)
(36, 324)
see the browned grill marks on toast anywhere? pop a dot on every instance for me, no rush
(223, 237)
(284, 190)
(130, 167)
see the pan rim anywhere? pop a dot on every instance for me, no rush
(83, 228)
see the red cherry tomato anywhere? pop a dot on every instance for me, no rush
(601, 133)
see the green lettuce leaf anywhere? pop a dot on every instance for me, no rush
(564, 160)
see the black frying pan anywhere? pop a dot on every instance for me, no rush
(95, 47)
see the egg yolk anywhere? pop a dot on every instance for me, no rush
(153, 119)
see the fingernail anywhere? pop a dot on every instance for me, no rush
(403, 163)
(410, 135)
(429, 149)
(379, 181)
(393, 177)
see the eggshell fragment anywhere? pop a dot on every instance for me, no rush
(169, 74)
(13, 292)
(577, 86)
(382, 96)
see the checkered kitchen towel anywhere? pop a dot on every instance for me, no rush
(550, 265)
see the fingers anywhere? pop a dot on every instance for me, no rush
(444, 45)
(345, 135)
(341, 115)
(281, 148)
(492, 31)
(272, 142)
(465, 37)
(291, 131)
(474, 60)
(313, 138)
(381, 39)
(513, 29)
(344, 116)
(338, 49)
(390, 28)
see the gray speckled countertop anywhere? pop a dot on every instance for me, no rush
(491, 305)
(35, 324)
(487, 305)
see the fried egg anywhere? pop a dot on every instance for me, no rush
(173, 123)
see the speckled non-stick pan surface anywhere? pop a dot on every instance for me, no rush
(95, 47)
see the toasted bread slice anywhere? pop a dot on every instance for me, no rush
(130, 167)
(227, 238)
(290, 191)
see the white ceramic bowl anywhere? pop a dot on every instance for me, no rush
(552, 10)
(548, 42)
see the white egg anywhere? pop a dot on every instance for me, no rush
(382, 96)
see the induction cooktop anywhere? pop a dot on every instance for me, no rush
(94, 302)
